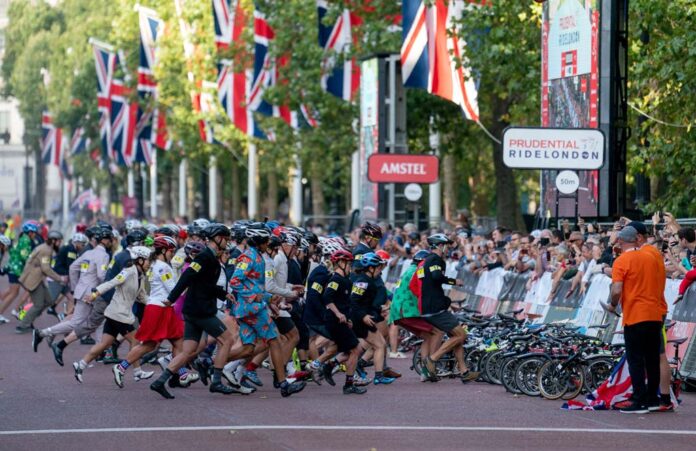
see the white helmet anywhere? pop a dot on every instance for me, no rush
(201, 222)
(139, 252)
(5, 241)
(329, 245)
(79, 238)
(132, 224)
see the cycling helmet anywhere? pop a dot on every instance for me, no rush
(140, 252)
(438, 239)
(341, 255)
(195, 231)
(201, 222)
(54, 235)
(92, 231)
(272, 225)
(165, 243)
(102, 234)
(292, 238)
(275, 242)
(348, 242)
(151, 228)
(30, 227)
(257, 233)
(193, 248)
(304, 244)
(373, 230)
(79, 238)
(384, 255)
(5, 241)
(214, 230)
(135, 236)
(370, 260)
(167, 230)
(132, 224)
(311, 237)
(420, 256)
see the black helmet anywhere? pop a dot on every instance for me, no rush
(238, 229)
(275, 242)
(92, 231)
(215, 230)
(54, 235)
(311, 237)
(420, 256)
(257, 233)
(194, 230)
(438, 239)
(373, 230)
(102, 234)
(104, 225)
(166, 231)
(135, 236)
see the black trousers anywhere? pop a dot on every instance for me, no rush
(643, 357)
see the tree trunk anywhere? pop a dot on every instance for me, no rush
(167, 191)
(190, 192)
(236, 195)
(449, 187)
(272, 197)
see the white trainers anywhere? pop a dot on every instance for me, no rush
(231, 378)
(397, 355)
(142, 375)
(164, 361)
(4, 320)
(189, 378)
(118, 375)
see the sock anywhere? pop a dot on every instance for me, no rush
(239, 373)
(217, 374)
(275, 376)
(665, 399)
(82, 364)
(182, 371)
(251, 366)
(165, 376)
(62, 345)
(233, 365)
(210, 349)
(124, 365)
(349, 380)
(378, 375)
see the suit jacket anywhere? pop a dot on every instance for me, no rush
(37, 267)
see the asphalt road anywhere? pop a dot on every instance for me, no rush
(42, 407)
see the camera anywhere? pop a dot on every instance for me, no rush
(544, 241)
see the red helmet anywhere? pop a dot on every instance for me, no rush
(183, 234)
(80, 228)
(165, 243)
(384, 255)
(341, 254)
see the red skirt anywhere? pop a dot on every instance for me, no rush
(159, 323)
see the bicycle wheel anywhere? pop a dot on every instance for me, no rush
(473, 359)
(507, 375)
(575, 381)
(482, 366)
(494, 366)
(597, 371)
(552, 379)
(526, 376)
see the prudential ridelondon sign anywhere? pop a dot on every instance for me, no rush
(579, 149)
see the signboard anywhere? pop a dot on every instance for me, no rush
(403, 168)
(413, 192)
(553, 148)
(567, 182)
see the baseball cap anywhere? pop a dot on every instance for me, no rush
(628, 234)
(639, 226)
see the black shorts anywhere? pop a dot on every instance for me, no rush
(360, 329)
(444, 320)
(194, 327)
(343, 336)
(12, 278)
(284, 324)
(320, 329)
(115, 328)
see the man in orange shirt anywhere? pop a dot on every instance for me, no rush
(638, 282)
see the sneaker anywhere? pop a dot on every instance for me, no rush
(340, 367)
(383, 380)
(266, 364)
(397, 355)
(622, 404)
(78, 371)
(57, 353)
(22, 330)
(327, 374)
(361, 372)
(118, 375)
(469, 376)
(231, 378)
(300, 375)
(248, 386)
(219, 387)
(87, 341)
(3, 320)
(287, 389)
(353, 390)
(36, 339)
(150, 357)
(199, 366)
(142, 375)
(252, 377)
(635, 408)
(391, 373)
(160, 388)
(15, 313)
(163, 362)
(175, 382)
(430, 366)
(110, 357)
(662, 408)
(52, 311)
(361, 381)
(189, 378)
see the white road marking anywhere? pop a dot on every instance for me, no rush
(350, 428)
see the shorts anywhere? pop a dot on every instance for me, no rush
(194, 327)
(257, 327)
(343, 336)
(12, 278)
(115, 328)
(320, 329)
(444, 320)
(415, 325)
(284, 324)
(360, 329)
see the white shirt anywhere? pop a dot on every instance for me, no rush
(162, 282)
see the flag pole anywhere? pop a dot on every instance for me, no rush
(212, 188)
(131, 182)
(153, 184)
(182, 187)
(252, 187)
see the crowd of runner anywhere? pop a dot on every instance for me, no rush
(213, 303)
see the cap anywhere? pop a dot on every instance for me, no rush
(628, 234)
(639, 226)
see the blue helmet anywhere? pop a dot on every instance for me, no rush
(370, 260)
(420, 256)
(30, 227)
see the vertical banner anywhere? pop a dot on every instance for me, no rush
(570, 88)
(369, 135)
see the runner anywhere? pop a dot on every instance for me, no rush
(18, 256)
(66, 256)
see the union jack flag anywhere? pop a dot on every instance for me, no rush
(264, 65)
(343, 80)
(431, 49)
(105, 61)
(228, 17)
(79, 143)
(51, 141)
(124, 119)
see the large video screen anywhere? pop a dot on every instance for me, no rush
(570, 90)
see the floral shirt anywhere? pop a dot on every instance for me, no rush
(248, 281)
(19, 255)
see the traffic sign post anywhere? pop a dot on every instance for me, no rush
(413, 192)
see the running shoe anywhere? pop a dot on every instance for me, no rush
(4, 320)
(353, 390)
(300, 375)
(78, 371)
(383, 380)
(219, 387)
(164, 361)
(622, 404)
(22, 330)
(327, 374)
(397, 355)
(662, 408)
(232, 380)
(118, 375)
(110, 357)
(36, 339)
(57, 353)
(248, 386)
(388, 372)
(361, 372)
(252, 377)
(189, 378)
(159, 387)
(87, 341)
(635, 408)
(199, 366)
(361, 381)
(266, 364)
(61, 317)
(142, 375)
(15, 313)
(287, 389)
(469, 376)
(175, 382)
